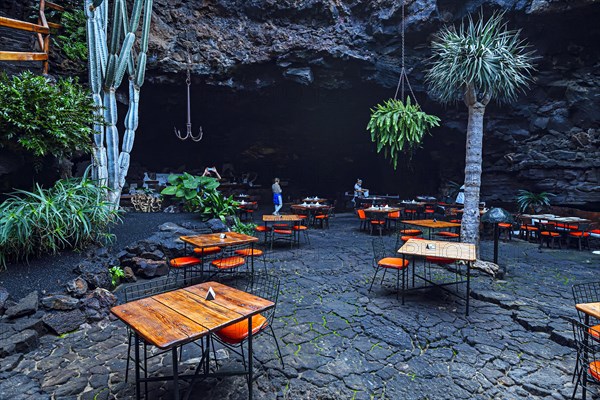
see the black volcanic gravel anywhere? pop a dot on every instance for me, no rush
(48, 273)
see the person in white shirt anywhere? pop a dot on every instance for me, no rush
(277, 196)
(358, 191)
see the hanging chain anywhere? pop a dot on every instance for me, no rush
(188, 125)
(403, 74)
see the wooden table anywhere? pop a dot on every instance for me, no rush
(556, 218)
(436, 248)
(431, 224)
(172, 319)
(314, 200)
(215, 239)
(281, 218)
(590, 310)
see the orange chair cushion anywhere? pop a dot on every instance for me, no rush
(552, 234)
(594, 370)
(262, 228)
(594, 331)
(377, 222)
(407, 238)
(456, 221)
(280, 226)
(236, 333)
(299, 228)
(596, 231)
(504, 225)
(283, 231)
(410, 211)
(302, 216)
(448, 234)
(361, 214)
(579, 234)
(439, 260)
(429, 211)
(529, 228)
(249, 252)
(207, 250)
(395, 214)
(322, 216)
(181, 262)
(393, 262)
(411, 232)
(228, 262)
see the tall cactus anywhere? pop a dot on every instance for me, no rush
(109, 59)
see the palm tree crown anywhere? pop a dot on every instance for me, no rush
(486, 55)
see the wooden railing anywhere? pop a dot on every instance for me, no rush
(41, 29)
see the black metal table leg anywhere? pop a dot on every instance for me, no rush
(137, 367)
(175, 374)
(468, 285)
(250, 358)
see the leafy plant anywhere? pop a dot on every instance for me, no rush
(532, 201)
(73, 41)
(396, 126)
(116, 273)
(246, 228)
(191, 189)
(41, 118)
(72, 214)
(215, 205)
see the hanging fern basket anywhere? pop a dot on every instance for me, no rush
(397, 126)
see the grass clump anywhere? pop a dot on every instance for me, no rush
(70, 215)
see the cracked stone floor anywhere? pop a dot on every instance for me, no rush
(341, 342)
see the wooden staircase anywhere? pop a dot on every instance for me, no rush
(41, 30)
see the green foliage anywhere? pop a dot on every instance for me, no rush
(396, 126)
(72, 41)
(43, 118)
(244, 228)
(485, 54)
(191, 189)
(529, 201)
(72, 214)
(116, 273)
(215, 205)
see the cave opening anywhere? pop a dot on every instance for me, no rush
(315, 139)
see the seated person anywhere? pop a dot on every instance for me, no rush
(358, 191)
(212, 172)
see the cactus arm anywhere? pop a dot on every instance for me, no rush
(135, 15)
(123, 58)
(146, 26)
(116, 27)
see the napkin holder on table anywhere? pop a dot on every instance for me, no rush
(210, 294)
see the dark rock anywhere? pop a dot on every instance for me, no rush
(10, 362)
(60, 302)
(216, 225)
(3, 297)
(20, 342)
(95, 274)
(62, 322)
(97, 304)
(129, 275)
(155, 255)
(303, 76)
(147, 268)
(77, 287)
(27, 305)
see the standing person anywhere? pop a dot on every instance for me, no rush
(358, 191)
(277, 197)
(212, 172)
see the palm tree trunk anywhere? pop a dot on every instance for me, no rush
(471, 217)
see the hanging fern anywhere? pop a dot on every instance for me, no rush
(396, 126)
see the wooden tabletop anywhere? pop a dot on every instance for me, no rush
(309, 206)
(429, 223)
(173, 318)
(556, 218)
(281, 218)
(313, 200)
(454, 250)
(591, 309)
(214, 239)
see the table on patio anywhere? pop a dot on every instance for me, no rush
(292, 218)
(310, 209)
(380, 213)
(435, 248)
(315, 199)
(215, 240)
(172, 319)
(431, 224)
(557, 219)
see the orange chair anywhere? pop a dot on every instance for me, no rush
(323, 217)
(393, 217)
(587, 367)
(581, 234)
(186, 264)
(448, 235)
(265, 230)
(281, 232)
(381, 261)
(362, 216)
(301, 229)
(233, 336)
(549, 234)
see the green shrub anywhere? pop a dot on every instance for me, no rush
(41, 118)
(529, 201)
(72, 214)
(190, 189)
(72, 41)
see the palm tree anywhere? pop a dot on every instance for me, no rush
(480, 61)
